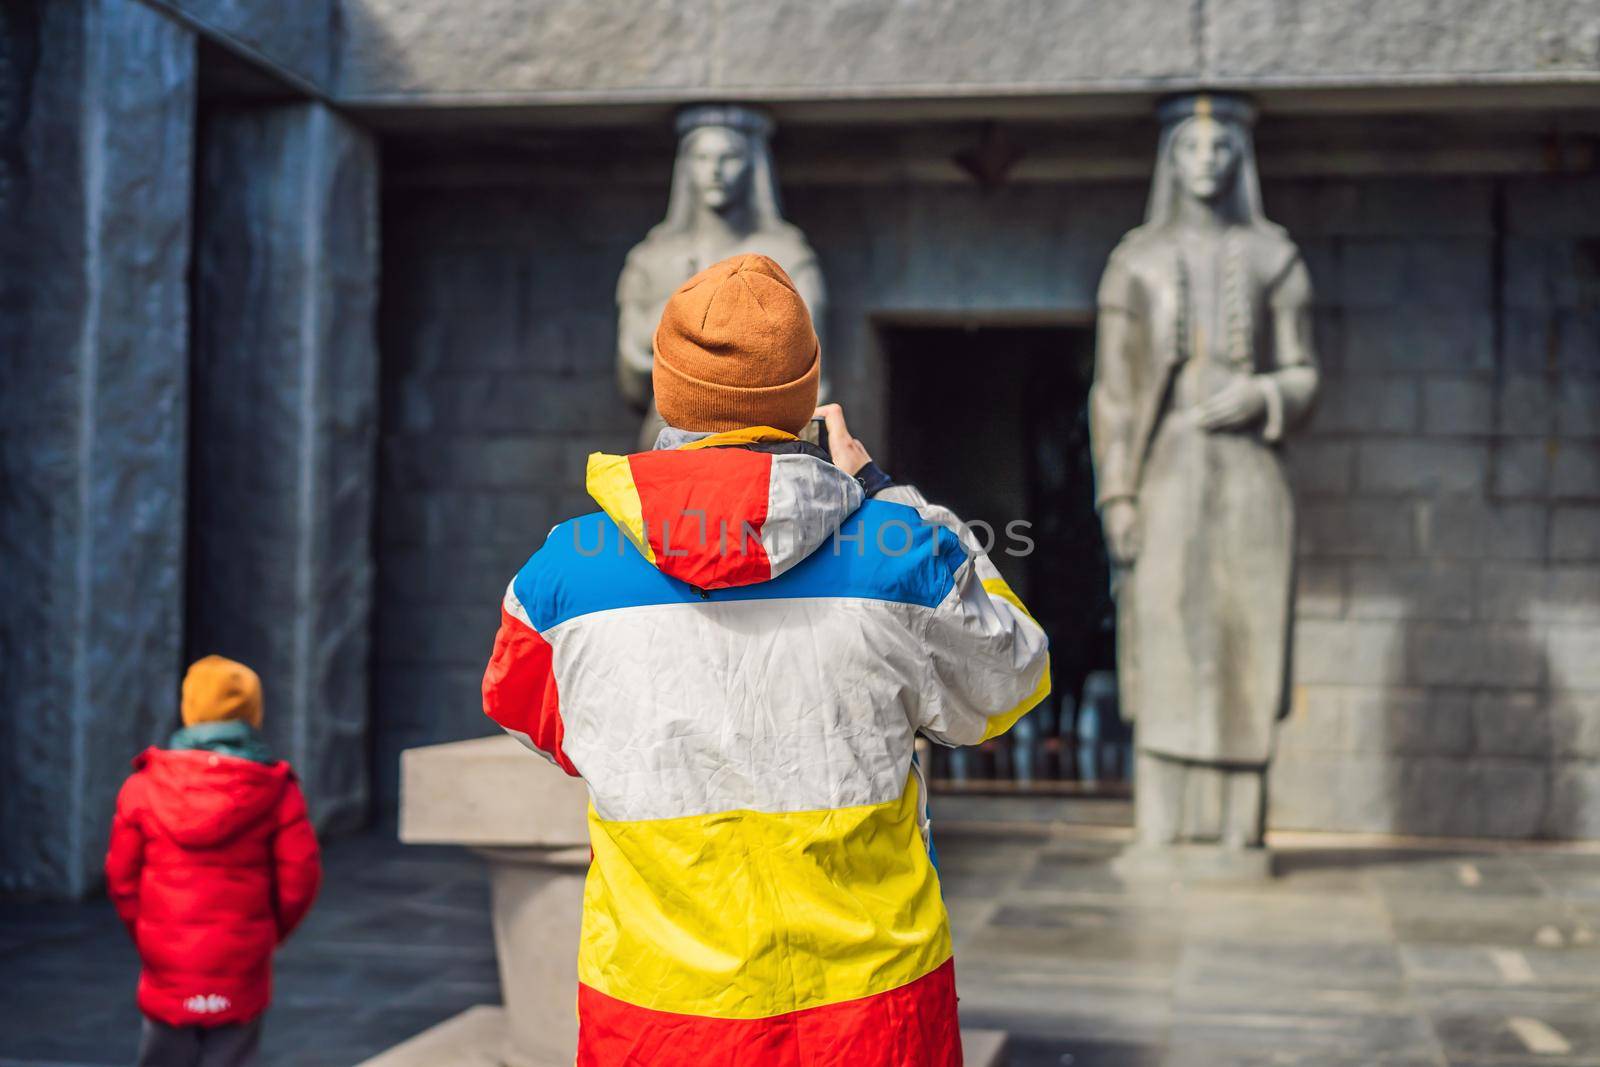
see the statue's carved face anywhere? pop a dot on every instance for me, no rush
(1205, 154)
(719, 166)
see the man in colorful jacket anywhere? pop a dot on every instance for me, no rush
(736, 653)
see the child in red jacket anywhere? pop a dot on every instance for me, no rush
(212, 864)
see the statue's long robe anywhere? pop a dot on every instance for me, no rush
(1205, 613)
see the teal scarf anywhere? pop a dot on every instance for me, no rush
(228, 738)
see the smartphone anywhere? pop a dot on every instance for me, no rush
(816, 433)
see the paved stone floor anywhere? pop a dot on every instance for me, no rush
(398, 941)
(1353, 957)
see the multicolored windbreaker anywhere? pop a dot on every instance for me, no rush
(737, 654)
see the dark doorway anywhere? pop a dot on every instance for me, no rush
(993, 422)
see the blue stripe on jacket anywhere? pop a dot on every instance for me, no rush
(884, 551)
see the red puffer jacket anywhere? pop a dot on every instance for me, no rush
(212, 864)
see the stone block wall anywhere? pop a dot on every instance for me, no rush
(1448, 654)
(1449, 566)
(497, 338)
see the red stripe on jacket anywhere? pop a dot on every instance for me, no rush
(912, 1026)
(519, 689)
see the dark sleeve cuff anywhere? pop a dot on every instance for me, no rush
(873, 479)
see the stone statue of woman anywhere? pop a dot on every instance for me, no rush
(1203, 361)
(723, 202)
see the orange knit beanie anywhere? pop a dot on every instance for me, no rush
(736, 348)
(217, 689)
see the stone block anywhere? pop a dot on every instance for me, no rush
(1521, 469)
(1527, 407)
(1372, 272)
(1457, 406)
(1420, 589)
(1412, 721)
(1574, 809)
(1367, 404)
(1511, 722)
(1578, 408)
(1403, 207)
(1575, 533)
(1414, 340)
(1323, 792)
(1576, 340)
(1554, 207)
(1319, 590)
(1316, 721)
(1545, 594)
(1547, 271)
(1320, 467)
(95, 197)
(1575, 724)
(1574, 654)
(1428, 467)
(1472, 798)
(1355, 527)
(1473, 654)
(1469, 527)
(1348, 652)
(1530, 342)
(285, 414)
(1384, 272)
(448, 636)
(1575, 470)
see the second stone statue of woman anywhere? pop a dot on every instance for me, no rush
(723, 201)
(1204, 360)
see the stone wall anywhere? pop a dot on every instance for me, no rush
(96, 187)
(1450, 483)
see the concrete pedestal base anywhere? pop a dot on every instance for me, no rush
(530, 822)
(538, 909)
(1193, 864)
(478, 1037)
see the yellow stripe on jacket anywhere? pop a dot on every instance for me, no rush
(743, 914)
(999, 724)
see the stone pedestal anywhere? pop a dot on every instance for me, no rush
(529, 820)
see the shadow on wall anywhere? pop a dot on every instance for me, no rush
(1470, 721)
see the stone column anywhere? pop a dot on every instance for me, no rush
(284, 429)
(96, 125)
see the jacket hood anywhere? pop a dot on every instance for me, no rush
(204, 799)
(728, 509)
